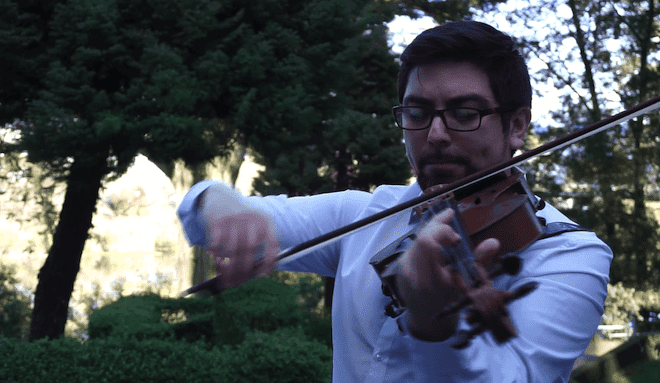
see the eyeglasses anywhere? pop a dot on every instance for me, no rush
(457, 119)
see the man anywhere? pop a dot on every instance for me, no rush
(466, 101)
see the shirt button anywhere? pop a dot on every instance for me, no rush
(379, 357)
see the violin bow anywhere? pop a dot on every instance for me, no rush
(215, 285)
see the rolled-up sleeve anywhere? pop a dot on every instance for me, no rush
(188, 216)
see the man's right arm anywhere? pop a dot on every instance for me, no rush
(240, 238)
(296, 220)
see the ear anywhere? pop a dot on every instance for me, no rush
(518, 127)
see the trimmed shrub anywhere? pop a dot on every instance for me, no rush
(111, 360)
(282, 356)
(132, 316)
(263, 304)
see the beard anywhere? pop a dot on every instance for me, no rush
(430, 175)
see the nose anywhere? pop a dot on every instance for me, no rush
(438, 132)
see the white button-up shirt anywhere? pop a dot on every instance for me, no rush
(555, 322)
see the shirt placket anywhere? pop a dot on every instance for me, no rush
(382, 352)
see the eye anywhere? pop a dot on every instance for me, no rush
(415, 115)
(463, 114)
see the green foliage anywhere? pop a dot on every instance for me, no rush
(256, 333)
(132, 316)
(113, 87)
(634, 361)
(110, 360)
(620, 305)
(86, 303)
(602, 58)
(624, 304)
(283, 356)
(322, 121)
(263, 304)
(649, 304)
(14, 306)
(28, 194)
(311, 288)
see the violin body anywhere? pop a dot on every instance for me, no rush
(500, 207)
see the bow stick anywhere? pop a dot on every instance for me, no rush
(215, 285)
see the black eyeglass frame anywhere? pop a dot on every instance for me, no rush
(441, 113)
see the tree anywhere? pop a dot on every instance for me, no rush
(96, 82)
(602, 56)
(109, 79)
(341, 135)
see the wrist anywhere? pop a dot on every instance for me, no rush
(429, 329)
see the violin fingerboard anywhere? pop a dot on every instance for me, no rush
(459, 256)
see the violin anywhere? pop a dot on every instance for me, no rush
(489, 204)
(501, 207)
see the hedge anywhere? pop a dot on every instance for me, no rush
(285, 355)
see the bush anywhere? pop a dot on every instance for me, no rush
(256, 333)
(136, 316)
(263, 304)
(283, 356)
(111, 360)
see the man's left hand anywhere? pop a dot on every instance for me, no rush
(428, 284)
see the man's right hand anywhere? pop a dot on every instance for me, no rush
(241, 239)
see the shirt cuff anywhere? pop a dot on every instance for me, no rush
(188, 214)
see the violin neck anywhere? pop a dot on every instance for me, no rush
(459, 256)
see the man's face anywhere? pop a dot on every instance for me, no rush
(441, 156)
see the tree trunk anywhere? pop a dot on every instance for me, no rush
(58, 274)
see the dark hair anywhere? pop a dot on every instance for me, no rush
(477, 43)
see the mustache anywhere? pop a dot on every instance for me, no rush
(436, 156)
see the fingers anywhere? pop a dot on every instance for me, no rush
(425, 275)
(437, 233)
(486, 251)
(243, 246)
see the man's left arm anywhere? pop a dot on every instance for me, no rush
(555, 323)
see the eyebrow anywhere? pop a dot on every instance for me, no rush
(451, 103)
(412, 99)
